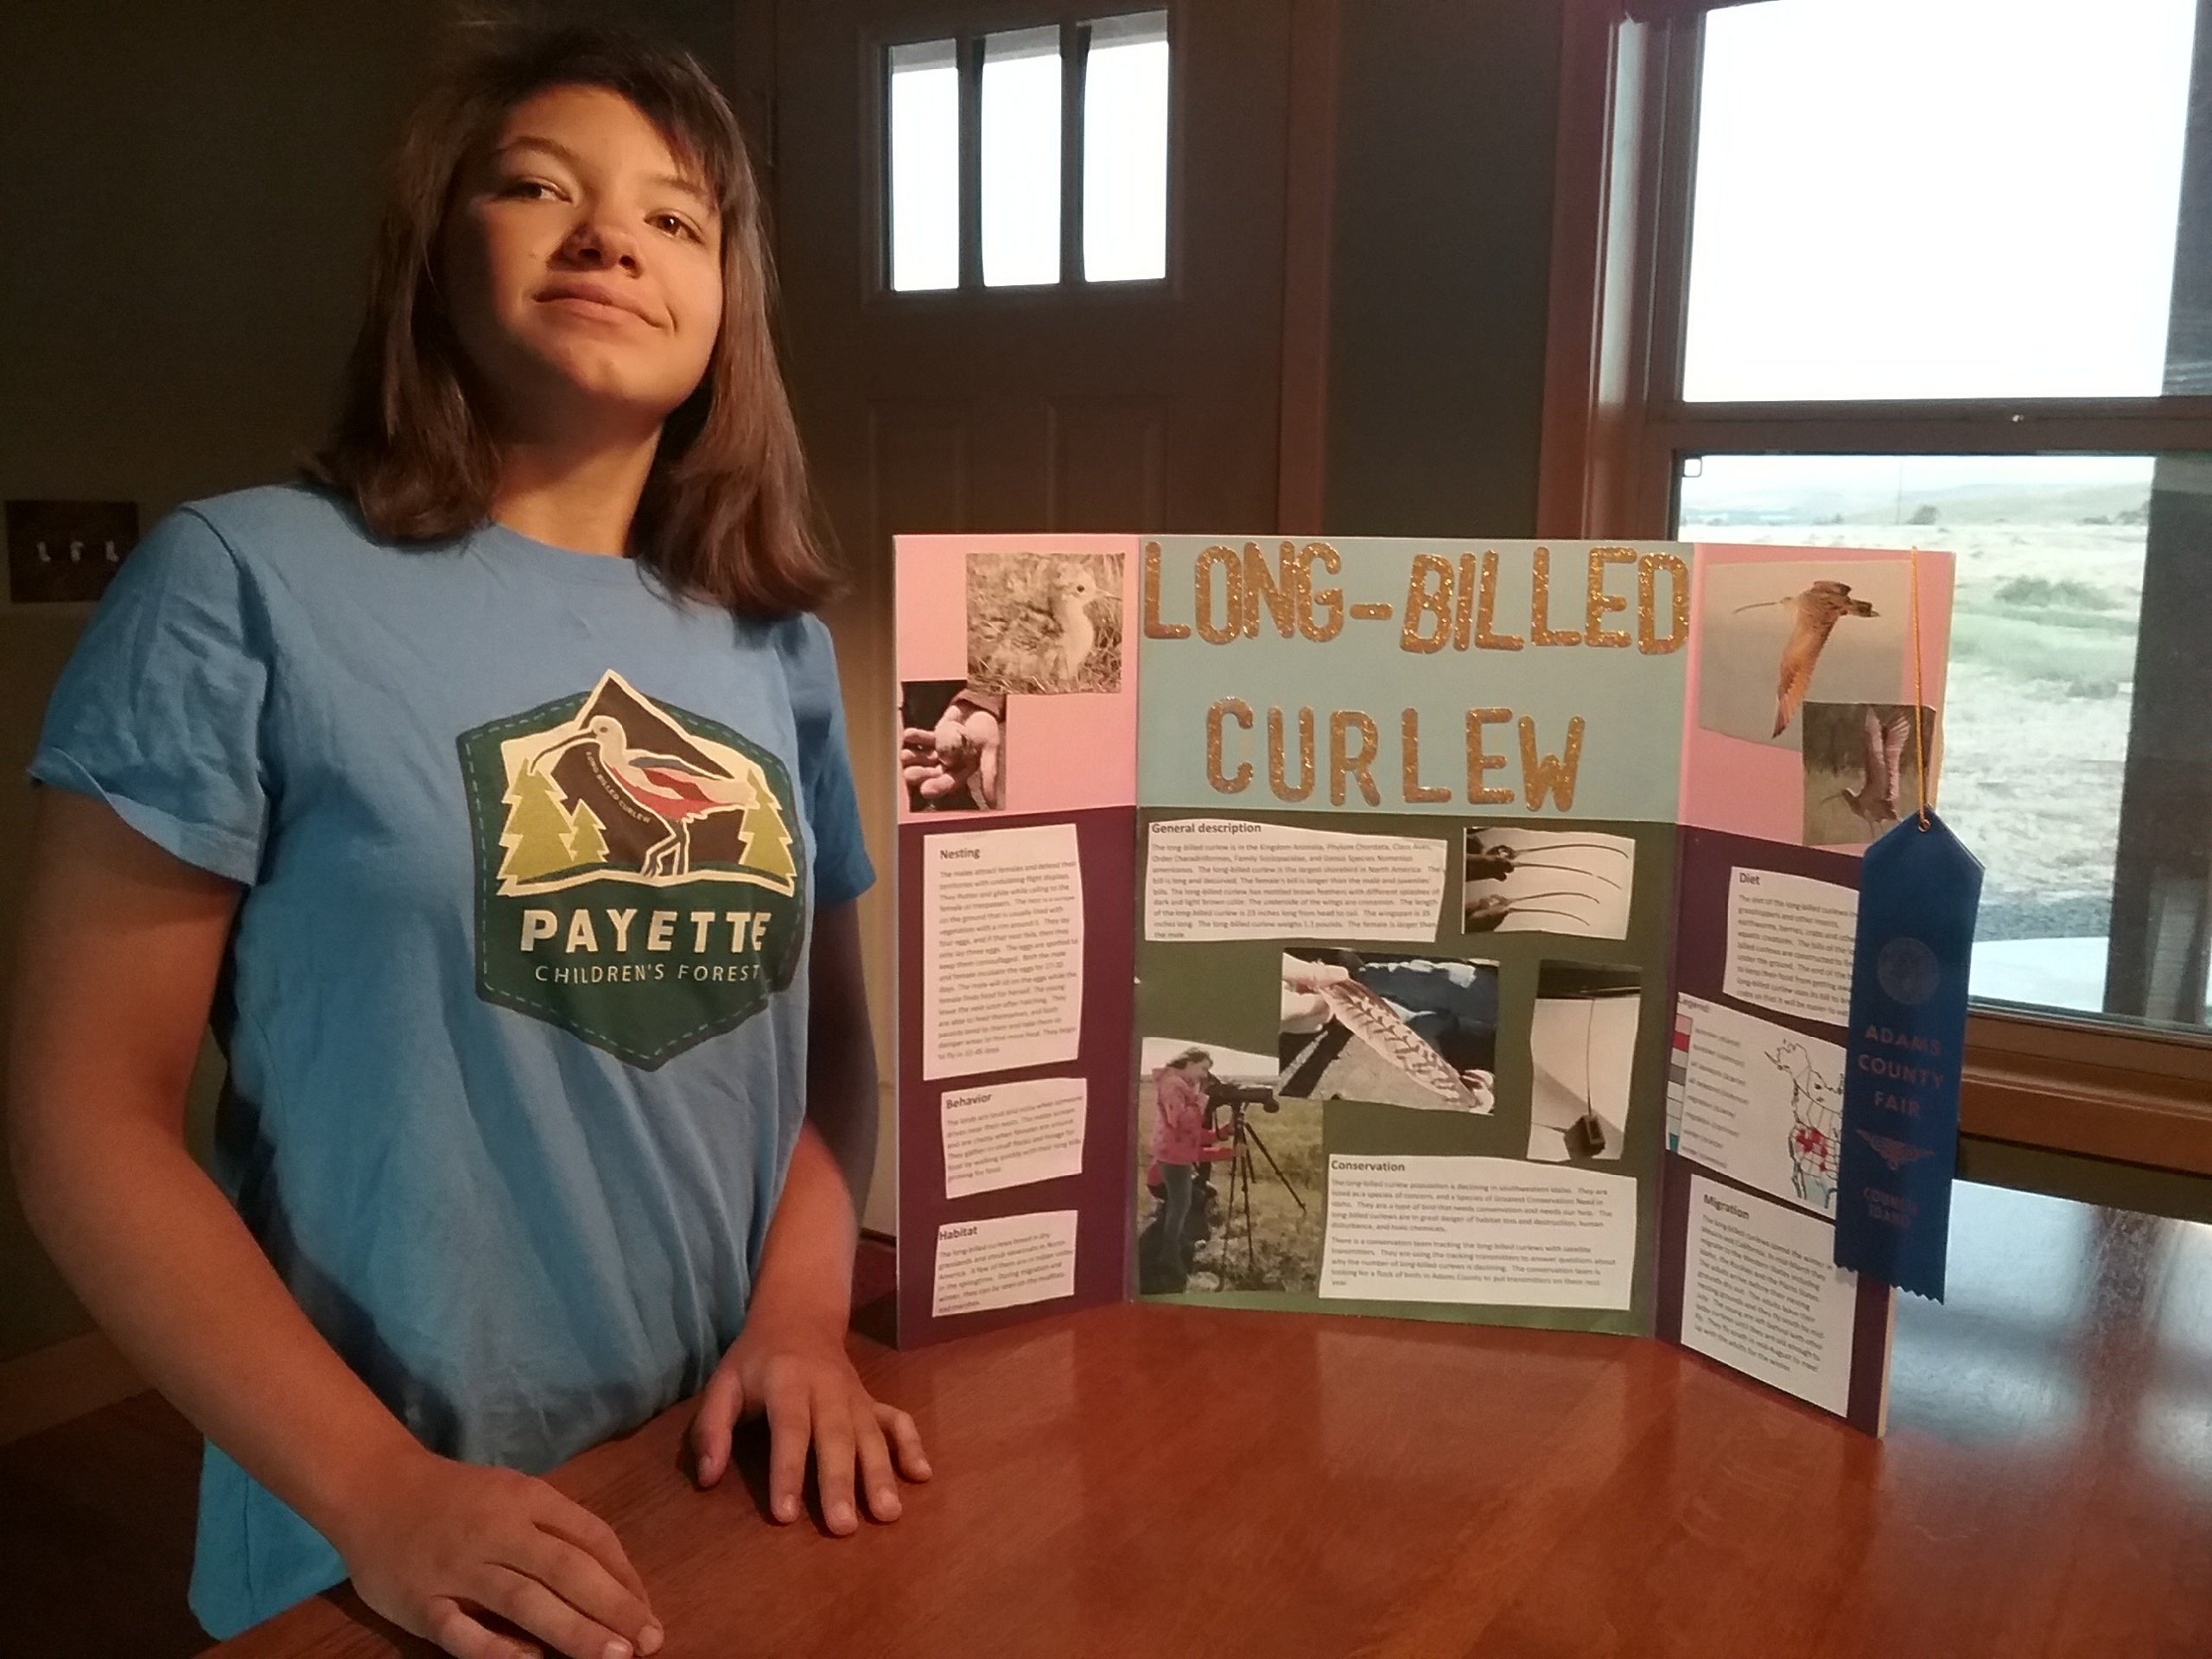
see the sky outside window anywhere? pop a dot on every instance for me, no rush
(1910, 199)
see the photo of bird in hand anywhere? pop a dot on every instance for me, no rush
(951, 747)
(1817, 610)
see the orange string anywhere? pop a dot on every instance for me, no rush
(1919, 701)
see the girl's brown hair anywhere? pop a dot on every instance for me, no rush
(725, 515)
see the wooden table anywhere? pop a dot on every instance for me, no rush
(1143, 1481)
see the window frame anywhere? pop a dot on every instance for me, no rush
(1615, 430)
(968, 27)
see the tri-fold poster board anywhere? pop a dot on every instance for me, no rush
(1430, 929)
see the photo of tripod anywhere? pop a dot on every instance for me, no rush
(1236, 1101)
(1229, 1205)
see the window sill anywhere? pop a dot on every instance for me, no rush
(2138, 1096)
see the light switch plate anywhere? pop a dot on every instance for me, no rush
(65, 552)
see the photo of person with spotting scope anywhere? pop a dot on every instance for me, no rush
(1207, 1115)
(1183, 1138)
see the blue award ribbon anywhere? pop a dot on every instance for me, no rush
(1918, 891)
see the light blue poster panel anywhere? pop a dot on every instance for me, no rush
(1500, 678)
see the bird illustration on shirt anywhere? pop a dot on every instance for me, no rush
(672, 788)
(1817, 610)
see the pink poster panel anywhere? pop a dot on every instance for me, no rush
(1799, 724)
(1017, 674)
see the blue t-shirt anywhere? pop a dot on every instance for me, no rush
(515, 1003)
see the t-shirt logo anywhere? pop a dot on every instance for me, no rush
(641, 878)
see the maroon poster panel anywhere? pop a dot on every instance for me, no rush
(1865, 1399)
(1746, 1227)
(982, 1236)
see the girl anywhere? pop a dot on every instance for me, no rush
(491, 791)
(1180, 1138)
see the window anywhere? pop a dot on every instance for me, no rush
(1028, 157)
(1914, 199)
(1021, 158)
(2045, 637)
(1125, 150)
(1939, 273)
(926, 166)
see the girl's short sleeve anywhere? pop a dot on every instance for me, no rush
(158, 711)
(841, 869)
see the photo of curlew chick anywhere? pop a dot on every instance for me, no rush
(1044, 622)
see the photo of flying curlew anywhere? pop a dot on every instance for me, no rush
(1044, 623)
(1815, 611)
(1776, 635)
(1862, 769)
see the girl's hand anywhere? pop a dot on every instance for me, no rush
(797, 1375)
(444, 1543)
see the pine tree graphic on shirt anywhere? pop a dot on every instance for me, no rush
(640, 879)
(537, 832)
(587, 845)
(765, 841)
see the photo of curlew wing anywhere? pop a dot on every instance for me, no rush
(1370, 1018)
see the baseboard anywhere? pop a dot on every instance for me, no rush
(52, 1385)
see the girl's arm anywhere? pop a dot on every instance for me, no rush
(789, 1364)
(119, 953)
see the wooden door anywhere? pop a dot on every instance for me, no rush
(1080, 405)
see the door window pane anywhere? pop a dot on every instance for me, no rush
(2096, 894)
(924, 166)
(1908, 199)
(1021, 158)
(1125, 150)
